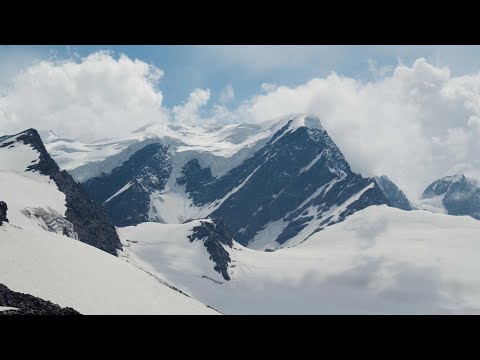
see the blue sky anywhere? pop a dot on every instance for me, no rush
(247, 67)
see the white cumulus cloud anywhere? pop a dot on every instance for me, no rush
(189, 112)
(95, 97)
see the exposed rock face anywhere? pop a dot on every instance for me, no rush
(29, 305)
(3, 212)
(89, 219)
(214, 235)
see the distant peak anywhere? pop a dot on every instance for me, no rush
(443, 185)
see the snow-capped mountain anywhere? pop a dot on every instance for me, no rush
(393, 193)
(38, 193)
(380, 260)
(273, 184)
(453, 195)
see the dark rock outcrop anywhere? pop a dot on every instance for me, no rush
(90, 222)
(26, 304)
(214, 235)
(3, 212)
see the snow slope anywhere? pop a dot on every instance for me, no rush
(380, 260)
(70, 273)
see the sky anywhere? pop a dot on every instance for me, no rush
(410, 112)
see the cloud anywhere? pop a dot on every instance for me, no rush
(189, 112)
(90, 98)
